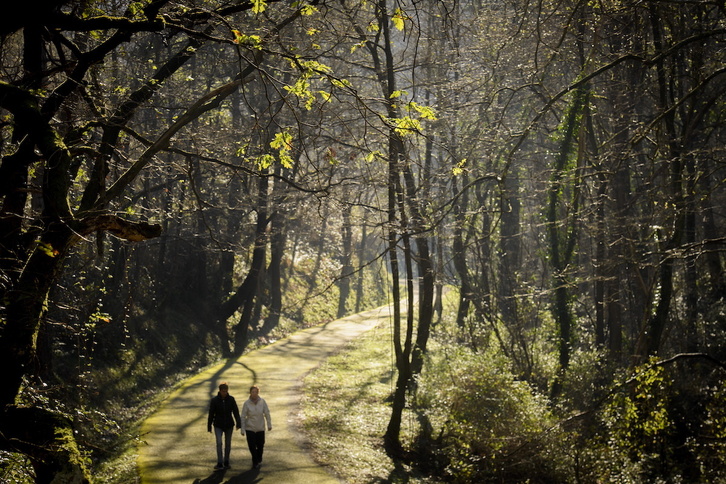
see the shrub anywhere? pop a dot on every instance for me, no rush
(664, 424)
(490, 426)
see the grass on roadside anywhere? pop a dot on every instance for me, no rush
(346, 408)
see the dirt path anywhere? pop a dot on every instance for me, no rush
(179, 450)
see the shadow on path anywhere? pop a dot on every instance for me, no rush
(176, 447)
(249, 477)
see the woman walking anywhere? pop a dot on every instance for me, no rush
(254, 414)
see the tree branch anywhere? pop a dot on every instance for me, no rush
(121, 228)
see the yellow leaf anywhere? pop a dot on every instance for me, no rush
(398, 19)
(48, 249)
(258, 6)
(308, 10)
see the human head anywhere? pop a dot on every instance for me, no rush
(223, 387)
(255, 387)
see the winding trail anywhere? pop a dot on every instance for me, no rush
(176, 447)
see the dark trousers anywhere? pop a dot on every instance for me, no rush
(256, 443)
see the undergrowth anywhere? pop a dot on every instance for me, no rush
(470, 421)
(346, 410)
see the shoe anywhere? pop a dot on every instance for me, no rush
(219, 466)
(226, 465)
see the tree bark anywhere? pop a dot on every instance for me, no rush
(346, 263)
(510, 247)
(562, 235)
(649, 341)
(251, 284)
(278, 240)
(458, 255)
(402, 199)
(47, 440)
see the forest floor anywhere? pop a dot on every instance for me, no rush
(177, 448)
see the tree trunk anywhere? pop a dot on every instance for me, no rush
(346, 263)
(319, 254)
(252, 281)
(651, 335)
(14, 171)
(562, 235)
(690, 275)
(47, 439)
(25, 310)
(510, 247)
(439, 294)
(278, 239)
(716, 274)
(360, 277)
(458, 255)
(392, 435)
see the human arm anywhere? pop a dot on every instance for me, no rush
(243, 418)
(235, 414)
(266, 411)
(210, 416)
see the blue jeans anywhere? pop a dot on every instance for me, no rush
(218, 431)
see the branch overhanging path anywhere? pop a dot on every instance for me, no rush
(176, 447)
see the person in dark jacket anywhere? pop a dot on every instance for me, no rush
(224, 415)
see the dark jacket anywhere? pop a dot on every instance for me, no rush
(223, 413)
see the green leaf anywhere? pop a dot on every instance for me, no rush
(258, 6)
(406, 125)
(459, 168)
(286, 161)
(283, 144)
(341, 83)
(312, 67)
(282, 141)
(301, 89)
(426, 112)
(308, 10)
(253, 41)
(398, 19)
(357, 46)
(373, 155)
(48, 249)
(265, 161)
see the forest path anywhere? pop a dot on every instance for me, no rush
(178, 449)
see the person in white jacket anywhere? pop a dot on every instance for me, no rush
(254, 414)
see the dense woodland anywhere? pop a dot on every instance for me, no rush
(183, 180)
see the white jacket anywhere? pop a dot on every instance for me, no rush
(254, 415)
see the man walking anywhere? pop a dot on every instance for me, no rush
(224, 416)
